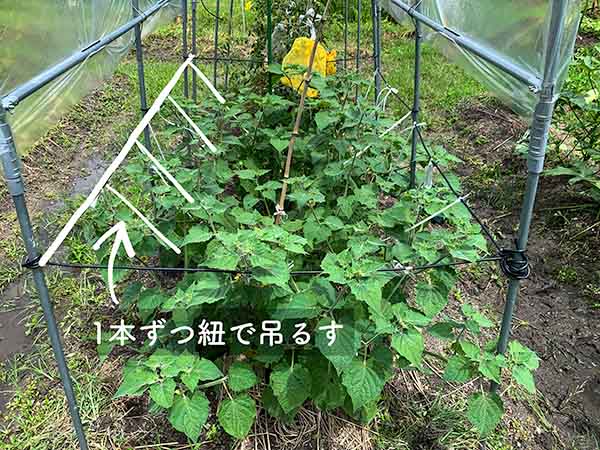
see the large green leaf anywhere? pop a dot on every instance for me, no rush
(176, 364)
(196, 234)
(221, 257)
(524, 377)
(363, 383)
(237, 415)
(342, 351)
(491, 366)
(189, 414)
(273, 408)
(332, 266)
(160, 358)
(429, 299)
(163, 392)
(270, 267)
(279, 144)
(471, 351)
(303, 305)
(135, 381)
(149, 300)
(200, 370)
(409, 316)
(241, 377)
(459, 369)
(328, 393)
(522, 355)
(485, 411)
(206, 288)
(444, 330)
(409, 344)
(325, 118)
(368, 290)
(480, 319)
(291, 386)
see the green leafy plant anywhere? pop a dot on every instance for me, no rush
(591, 26)
(579, 110)
(349, 220)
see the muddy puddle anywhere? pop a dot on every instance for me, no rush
(16, 303)
(14, 339)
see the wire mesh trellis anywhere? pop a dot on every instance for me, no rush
(513, 262)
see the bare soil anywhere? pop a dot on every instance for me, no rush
(557, 313)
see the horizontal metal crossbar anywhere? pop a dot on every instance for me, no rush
(487, 54)
(20, 93)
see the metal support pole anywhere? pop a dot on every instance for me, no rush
(194, 48)
(358, 19)
(269, 41)
(229, 38)
(484, 52)
(540, 130)
(184, 45)
(358, 32)
(376, 47)
(346, 12)
(139, 55)
(216, 50)
(12, 174)
(20, 93)
(416, 100)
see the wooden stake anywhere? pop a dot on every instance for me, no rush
(280, 211)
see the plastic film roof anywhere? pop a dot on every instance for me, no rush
(37, 34)
(516, 29)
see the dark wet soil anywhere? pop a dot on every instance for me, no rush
(77, 167)
(13, 333)
(16, 302)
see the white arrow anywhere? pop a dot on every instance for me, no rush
(121, 237)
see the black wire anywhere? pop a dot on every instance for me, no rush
(417, 269)
(485, 229)
(209, 11)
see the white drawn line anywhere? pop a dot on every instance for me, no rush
(155, 230)
(207, 82)
(121, 237)
(115, 164)
(198, 131)
(165, 172)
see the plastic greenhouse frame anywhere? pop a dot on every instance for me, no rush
(546, 89)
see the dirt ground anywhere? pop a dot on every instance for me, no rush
(557, 312)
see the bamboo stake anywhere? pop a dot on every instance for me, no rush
(307, 78)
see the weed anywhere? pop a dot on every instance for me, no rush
(567, 275)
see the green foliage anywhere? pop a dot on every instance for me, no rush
(579, 110)
(348, 210)
(485, 411)
(591, 26)
(236, 415)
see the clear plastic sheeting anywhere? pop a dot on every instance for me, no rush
(515, 29)
(37, 34)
